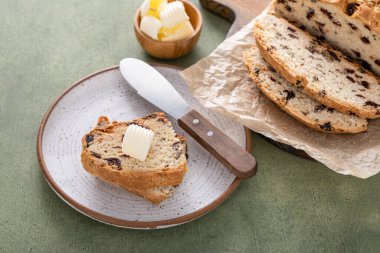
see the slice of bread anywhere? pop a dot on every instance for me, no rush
(325, 74)
(154, 178)
(295, 102)
(351, 26)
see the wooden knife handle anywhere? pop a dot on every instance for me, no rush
(223, 148)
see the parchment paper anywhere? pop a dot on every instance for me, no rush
(221, 83)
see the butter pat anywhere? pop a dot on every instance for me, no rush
(144, 8)
(165, 21)
(177, 33)
(173, 14)
(153, 7)
(150, 26)
(137, 141)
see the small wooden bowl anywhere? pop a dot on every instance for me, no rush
(172, 49)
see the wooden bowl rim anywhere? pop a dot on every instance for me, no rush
(196, 29)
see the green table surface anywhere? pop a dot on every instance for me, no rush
(292, 205)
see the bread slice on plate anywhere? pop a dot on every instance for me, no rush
(351, 26)
(154, 178)
(325, 74)
(295, 102)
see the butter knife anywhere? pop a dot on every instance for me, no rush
(155, 88)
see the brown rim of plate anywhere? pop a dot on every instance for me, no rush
(114, 221)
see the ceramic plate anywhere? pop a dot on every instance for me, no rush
(206, 185)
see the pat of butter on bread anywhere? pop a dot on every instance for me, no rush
(137, 141)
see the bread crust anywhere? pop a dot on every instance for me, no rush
(130, 180)
(282, 104)
(291, 76)
(152, 195)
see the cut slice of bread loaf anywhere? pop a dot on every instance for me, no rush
(325, 74)
(154, 178)
(295, 102)
(352, 26)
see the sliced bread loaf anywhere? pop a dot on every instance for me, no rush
(352, 26)
(295, 102)
(325, 74)
(154, 178)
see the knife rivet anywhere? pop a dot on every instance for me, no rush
(210, 133)
(195, 121)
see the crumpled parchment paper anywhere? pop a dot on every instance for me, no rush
(221, 83)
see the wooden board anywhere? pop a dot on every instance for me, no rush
(239, 13)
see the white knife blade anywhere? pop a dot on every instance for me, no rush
(152, 86)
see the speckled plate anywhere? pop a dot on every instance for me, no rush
(75, 112)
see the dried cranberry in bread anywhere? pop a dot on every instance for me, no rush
(325, 74)
(295, 102)
(154, 178)
(352, 26)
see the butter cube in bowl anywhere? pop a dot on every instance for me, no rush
(167, 29)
